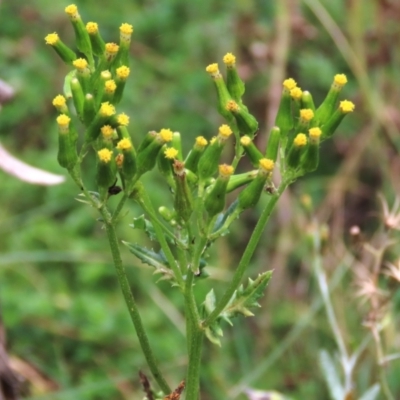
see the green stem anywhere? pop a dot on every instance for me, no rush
(131, 303)
(246, 257)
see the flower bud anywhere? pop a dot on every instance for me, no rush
(214, 202)
(109, 89)
(194, 155)
(306, 116)
(328, 129)
(65, 53)
(129, 166)
(177, 144)
(236, 181)
(165, 159)
(273, 144)
(60, 103)
(284, 118)
(96, 40)
(251, 150)
(246, 122)
(83, 74)
(307, 101)
(208, 163)
(296, 94)
(122, 57)
(310, 159)
(102, 117)
(67, 139)
(296, 150)
(122, 74)
(233, 82)
(106, 171)
(328, 106)
(89, 110)
(223, 94)
(81, 34)
(78, 97)
(251, 194)
(183, 202)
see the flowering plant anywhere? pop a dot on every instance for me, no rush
(199, 181)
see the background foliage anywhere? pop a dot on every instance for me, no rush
(67, 326)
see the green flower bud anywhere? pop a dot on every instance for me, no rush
(208, 163)
(306, 116)
(183, 202)
(233, 82)
(296, 151)
(328, 106)
(78, 97)
(106, 61)
(251, 194)
(147, 157)
(251, 150)
(223, 94)
(129, 166)
(89, 110)
(106, 171)
(273, 144)
(296, 94)
(122, 74)
(239, 180)
(96, 40)
(60, 103)
(109, 89)
(149, 138)
(194, 155)
(310, 158)
(284, 118)
(214, 202)
(67, 139)
(83, 74)
(122, 57)
(334, 121)
(166, 213)
(307, 101)
(246, 122)
(102, 117)
(177, 144)
(82, 36)
(165, 158)
(65, 53)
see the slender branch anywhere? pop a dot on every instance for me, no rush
(131, 303)
(246, 257)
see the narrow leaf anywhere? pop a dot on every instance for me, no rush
(331, 376)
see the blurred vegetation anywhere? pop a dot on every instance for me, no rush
(59, 298)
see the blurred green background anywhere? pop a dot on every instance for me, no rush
(67, 327)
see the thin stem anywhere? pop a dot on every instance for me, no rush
(246, 257)
(131, 303)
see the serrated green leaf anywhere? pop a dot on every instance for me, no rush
(145, 225)
(151, 258)
(244, 299)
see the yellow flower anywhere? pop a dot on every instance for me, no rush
(346, 106)
(107, 109)
(229, 59)
(340, 80)
(289, 84)
(92, 28)
(224, 131)
(296, 93)
(105, 155)
(110, 86)
(126, 29)
(124, 144)
(225, 170)
(123, 119)
(306, 114)
(72, 11)
(245, 141)
(201, 141)
(107, 131)
(59, 101)
(170, 153)
(314, 133)
(266, 165)
(111, 48)
(213, 70)
(80, 64)
(166, 135)
(52, 39)
(63, 121)
(123, 72)
(300, 140)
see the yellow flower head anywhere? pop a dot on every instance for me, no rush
(107, 131)
(225, 170)
(346, 106)
(306, 114)
(111, 48)
(314, 133)
(80, 64)
(300, 140)
(107, 109)
(126, 29)
(229, 60)
(339, 80)
(59, 101)
(166, 135)
(123, 72)
(105, 155)
(52, 39)
(245, 140)
(124, 144)
(232, 106)
(201, 142)
(170, 153)
(289, 84)
(123, 119)
(63, 121)
(224, 131)
(72, 11)
(266, 165)
(92, 28)
(296, 93)
(110, 86)
(213, 70)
